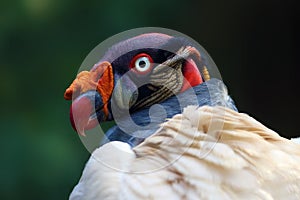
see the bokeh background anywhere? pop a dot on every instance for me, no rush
(43, 42)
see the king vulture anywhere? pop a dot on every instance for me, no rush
(178, 135)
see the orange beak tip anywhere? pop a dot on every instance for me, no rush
(68, 94)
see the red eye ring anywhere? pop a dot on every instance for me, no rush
(141, 63)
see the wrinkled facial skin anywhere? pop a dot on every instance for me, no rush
(115, 81)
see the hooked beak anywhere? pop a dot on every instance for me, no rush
(91, 92)
(87, 111)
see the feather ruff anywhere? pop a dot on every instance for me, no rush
(204, 153)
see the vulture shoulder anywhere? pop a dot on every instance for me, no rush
(203, 153)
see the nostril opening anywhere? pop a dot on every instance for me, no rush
(98, 102)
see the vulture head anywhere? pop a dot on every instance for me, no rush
(135, 74)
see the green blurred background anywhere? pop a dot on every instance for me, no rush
(43, 42)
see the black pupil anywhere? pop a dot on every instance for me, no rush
(142, 63)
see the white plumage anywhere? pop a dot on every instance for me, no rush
(296, 140)
(203, 153)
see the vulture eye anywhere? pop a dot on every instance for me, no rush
(141, 63)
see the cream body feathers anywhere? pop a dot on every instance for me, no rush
(203, 153)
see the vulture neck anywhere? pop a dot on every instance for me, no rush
(143, 123)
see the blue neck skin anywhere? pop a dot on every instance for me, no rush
(143, 123)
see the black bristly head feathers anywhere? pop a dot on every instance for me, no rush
(161, 48)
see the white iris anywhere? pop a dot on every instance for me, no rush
(142, 64)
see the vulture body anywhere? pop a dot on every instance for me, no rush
(178, 134)
(189, 158)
